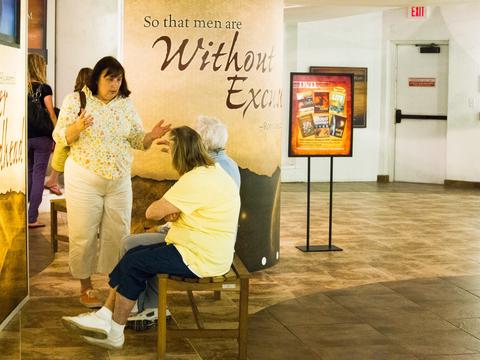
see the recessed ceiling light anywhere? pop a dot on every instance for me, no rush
(293, 6)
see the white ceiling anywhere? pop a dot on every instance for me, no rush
(311, 10)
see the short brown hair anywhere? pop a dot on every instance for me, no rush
(114, 68)
(188, 150)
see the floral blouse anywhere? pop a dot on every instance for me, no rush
(105, 147)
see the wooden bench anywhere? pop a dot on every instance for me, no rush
(56, 206)
(238, 276)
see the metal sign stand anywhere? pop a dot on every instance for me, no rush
(318, 248)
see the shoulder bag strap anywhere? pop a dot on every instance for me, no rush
(83, 101)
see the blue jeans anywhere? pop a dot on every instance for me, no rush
(148, 298)
(142, 263)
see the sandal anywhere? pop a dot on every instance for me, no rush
(54, 189)
(89, 298)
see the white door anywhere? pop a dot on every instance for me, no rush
(421, 89)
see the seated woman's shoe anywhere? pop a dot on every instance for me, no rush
(54, 189)
(90, 299)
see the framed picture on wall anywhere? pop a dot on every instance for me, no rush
(37, 25)
(10, 22)
(359, 89)
(321, 111)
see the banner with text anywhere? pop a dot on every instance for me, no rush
(184, 59)
(217, 58)
(13, 233)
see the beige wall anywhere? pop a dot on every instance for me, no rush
(86, 31)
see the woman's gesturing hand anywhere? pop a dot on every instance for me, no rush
(84, 121)
(158, 131)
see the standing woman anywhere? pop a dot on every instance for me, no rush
(98, 187)
(39, 140)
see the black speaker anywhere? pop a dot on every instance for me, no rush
(430, 49)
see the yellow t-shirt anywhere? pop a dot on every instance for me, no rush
(205, 232)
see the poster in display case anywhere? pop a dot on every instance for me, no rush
(359, 89)
(321, 111)
(10, 22)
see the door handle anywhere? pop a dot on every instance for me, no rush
(399, 116)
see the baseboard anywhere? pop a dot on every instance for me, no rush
(383, 178)
(462, 184)
(14, 312)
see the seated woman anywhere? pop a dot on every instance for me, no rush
(199, 244)
(214, 135)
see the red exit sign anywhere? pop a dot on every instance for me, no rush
(417, 12)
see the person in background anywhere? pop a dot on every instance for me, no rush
(98, 187)
(214, 135)
(83, 77)
(199, 244)
(60, 153)
(52, 181)
(39, 142)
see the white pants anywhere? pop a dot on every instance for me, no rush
(99, 215)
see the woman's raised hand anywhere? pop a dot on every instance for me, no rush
(159, 130)
(84, 121)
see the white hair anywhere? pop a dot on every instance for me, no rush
(213, 132)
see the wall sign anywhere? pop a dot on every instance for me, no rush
(421, 82)
(416, 12)
(360, 79)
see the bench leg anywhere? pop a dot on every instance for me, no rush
(53, 227)
(162, 318)
(243, 320)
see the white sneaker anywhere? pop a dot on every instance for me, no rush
(108, 343)
(88, 324)
(144, 320)
(135, 308)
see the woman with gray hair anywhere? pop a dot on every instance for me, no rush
(214, 136)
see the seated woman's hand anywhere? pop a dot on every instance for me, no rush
(172, 217)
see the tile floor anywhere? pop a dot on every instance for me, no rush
(406, 286)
